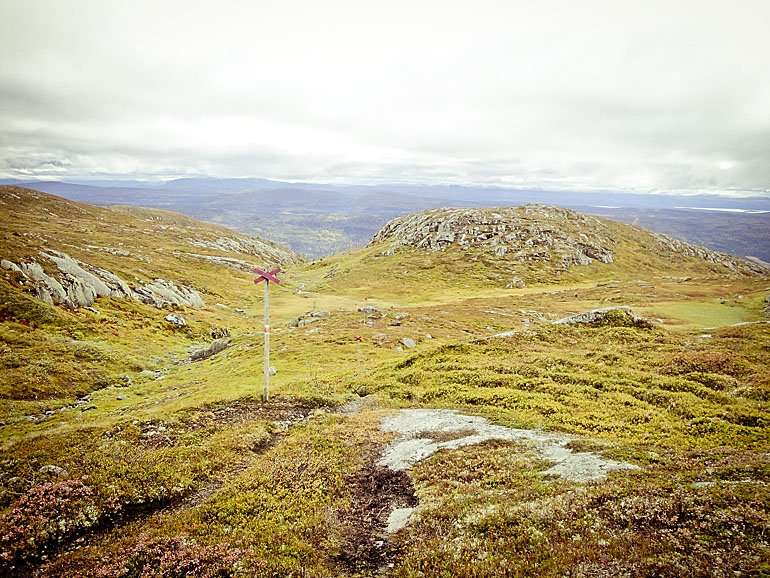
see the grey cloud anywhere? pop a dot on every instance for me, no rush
(643, 96)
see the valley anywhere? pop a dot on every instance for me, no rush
(320, 219)
(125, 452)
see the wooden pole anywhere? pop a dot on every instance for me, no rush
(266, 386)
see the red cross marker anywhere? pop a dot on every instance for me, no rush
(268, 277)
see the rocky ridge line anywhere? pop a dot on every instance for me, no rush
(79, 284)
(533, 233)
(529, 233)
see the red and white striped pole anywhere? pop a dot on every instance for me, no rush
(267, 277)
(266, 385)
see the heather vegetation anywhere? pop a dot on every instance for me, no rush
(122, 457)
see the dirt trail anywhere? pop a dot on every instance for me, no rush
(377, 492)
(283, 412)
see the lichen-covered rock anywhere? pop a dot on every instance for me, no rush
(87, 282)
(668, 244)
(46, 287)
(530, 233)
(540, 234)
(231, 262)
(78, 284)
(176, 320)
(265, 250)
(9, 266)
(162, 293)
(308, 318)
(53, 470)
(620, 316)
(215, 347)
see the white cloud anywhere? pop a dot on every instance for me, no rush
(594, 94)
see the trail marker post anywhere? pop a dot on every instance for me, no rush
(267, 277)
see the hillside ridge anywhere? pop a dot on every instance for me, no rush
(68, 253)
(533, 233)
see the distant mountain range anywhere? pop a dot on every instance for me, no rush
(318, 219)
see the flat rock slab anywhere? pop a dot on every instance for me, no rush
(423, 432)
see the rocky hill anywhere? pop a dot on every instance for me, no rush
(558, 239)
(71, 254)
(90, 296)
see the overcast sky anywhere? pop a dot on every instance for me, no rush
(639, 95)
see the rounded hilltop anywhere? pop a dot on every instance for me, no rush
(517, 246)
(528, 233)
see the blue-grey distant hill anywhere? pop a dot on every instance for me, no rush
(318, 219)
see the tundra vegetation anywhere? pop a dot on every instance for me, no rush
(125, 455)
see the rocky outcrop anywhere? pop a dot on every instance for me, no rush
(176, 320)
(671, 245)
(231, 262)
(529, 233)
(162, 293)
(76, 284)
(308, 318)
(215, 347)
(539, 233)
(620, 316)
(249, 246)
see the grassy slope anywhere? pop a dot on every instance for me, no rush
(686, 408)
(53, 354)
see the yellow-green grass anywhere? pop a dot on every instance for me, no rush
(642, 387)
(665, 399)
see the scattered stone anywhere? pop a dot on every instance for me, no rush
(120, 397)
(398, 519)
(408, 342)
(620, 316)
(52, 470)
(124, 381)
(368, 309)
(397, 319)
(516, 283)
(10, 266)
(232, 262)
(215, 347)
(219, 332)
(176, 320)
(308, 318)
(241, 311)
(265, 250)
(149, 373)
(273, 371)
(379, 339)
(162, 293)
(428, 336)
